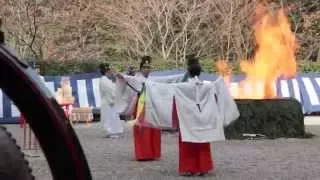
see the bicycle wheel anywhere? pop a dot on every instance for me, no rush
(13, 165)
(45, 117)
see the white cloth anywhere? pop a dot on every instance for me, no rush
(159, 98)
(198, 126)
(107, 90)
(109, 115)
(158, 104)
(228, 109)
(167, 79)
(125, 95)
(111, 121)
(197, 111)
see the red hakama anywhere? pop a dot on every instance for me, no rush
(193, 157)
(147, 142)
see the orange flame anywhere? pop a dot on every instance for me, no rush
(224, 70)
(275, 57)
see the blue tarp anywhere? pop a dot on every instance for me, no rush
(85, 88)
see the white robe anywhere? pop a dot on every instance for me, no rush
(109, 115)
(198, 126)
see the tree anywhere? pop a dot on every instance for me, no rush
(171, 29)
(22, 26)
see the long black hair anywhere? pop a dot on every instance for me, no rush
(193, 66)
(194, 70)
(103, 68)
(192, 59)
(145, 60)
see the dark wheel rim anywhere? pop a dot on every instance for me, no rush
(56, 137)
(13, 164)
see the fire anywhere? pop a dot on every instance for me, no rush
(224, 70)
(274, 57)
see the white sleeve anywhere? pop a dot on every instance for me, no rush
(158, 104)
(134, 81)
(167, 79)
(228, 109)
(124, 96)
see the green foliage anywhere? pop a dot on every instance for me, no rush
(308, 66)
(273, 118)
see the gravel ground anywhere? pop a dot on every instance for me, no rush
(249, 159)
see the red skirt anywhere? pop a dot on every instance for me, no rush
(147, 143)
(194, 157)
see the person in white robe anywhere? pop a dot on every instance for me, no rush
(204, 106)
(109, 116)
(201, 110)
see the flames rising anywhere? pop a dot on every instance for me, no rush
(274, 57)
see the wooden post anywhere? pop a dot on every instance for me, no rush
(30, 142)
